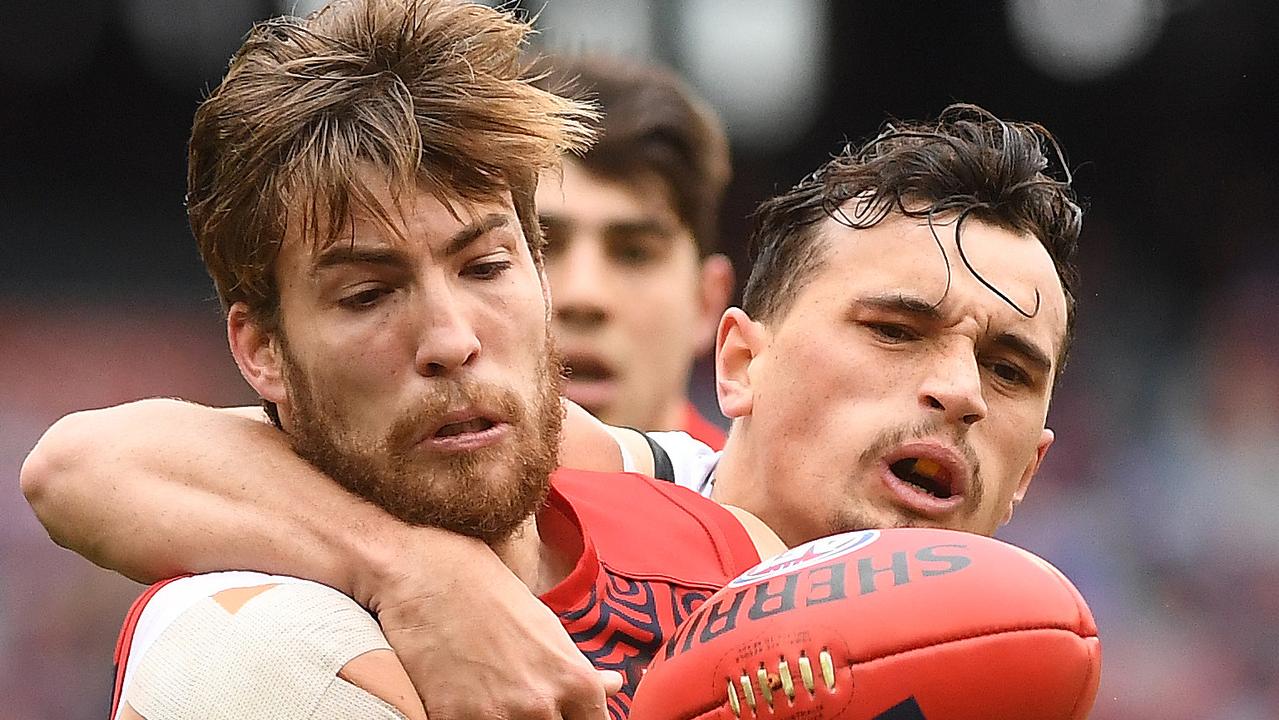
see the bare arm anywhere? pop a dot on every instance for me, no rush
(159, 487)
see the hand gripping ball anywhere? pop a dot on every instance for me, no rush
(904, 624)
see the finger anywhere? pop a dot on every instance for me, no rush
(611, 680)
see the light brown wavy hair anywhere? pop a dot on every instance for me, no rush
(431, 93)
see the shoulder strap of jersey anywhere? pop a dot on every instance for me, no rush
(663, 469)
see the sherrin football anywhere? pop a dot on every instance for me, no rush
(904, 624)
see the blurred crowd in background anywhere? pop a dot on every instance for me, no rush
(1159, 498)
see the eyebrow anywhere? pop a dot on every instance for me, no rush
(343, 254)
(476, 230)
(901, 303)
(640, 227)
(628, 226)
(394, 257)
(922, 309)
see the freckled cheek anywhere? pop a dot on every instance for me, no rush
(365, 353)
(373, 371)
(820, 393)
(848, 372)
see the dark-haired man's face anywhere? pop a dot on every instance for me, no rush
(418, 370)
(633, 304)
(897, 389)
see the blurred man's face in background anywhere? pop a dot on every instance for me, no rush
(633, 303)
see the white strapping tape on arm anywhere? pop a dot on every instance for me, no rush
(277, 657)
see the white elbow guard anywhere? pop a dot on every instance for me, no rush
(276, 656)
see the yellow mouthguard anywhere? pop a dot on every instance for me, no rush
(927, 468)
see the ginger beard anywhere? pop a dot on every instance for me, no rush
(486, 493)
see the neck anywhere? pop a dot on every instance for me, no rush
(736, 481)
(672, 416)
(539, 564)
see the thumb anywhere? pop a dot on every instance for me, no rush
(611, 680)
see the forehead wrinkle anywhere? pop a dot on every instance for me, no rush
(1012, 285)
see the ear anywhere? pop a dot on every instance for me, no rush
(1045, 441)
(713, 294)
(257, 353)
(738, 346)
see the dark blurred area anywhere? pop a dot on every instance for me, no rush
(1158, 498)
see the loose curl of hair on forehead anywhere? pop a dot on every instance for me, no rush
(966, 164)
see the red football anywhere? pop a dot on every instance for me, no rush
(908, 624)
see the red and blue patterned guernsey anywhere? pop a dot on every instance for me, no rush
(652, 553)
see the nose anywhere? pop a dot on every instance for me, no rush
(579, 285)
(448, 340)
(953, 388)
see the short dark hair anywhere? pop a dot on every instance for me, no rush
(967, 163)
(654, 123)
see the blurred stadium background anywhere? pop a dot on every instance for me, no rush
(1159, 498)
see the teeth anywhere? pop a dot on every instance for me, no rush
(927, 468)
(475, 425)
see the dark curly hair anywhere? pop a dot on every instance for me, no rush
(965, 164)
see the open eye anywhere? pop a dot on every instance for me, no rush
(892, 332)
(631, 251)
(1009, 373)
(487, 270)
(365, 298)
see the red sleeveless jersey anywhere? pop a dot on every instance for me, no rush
(650, 554)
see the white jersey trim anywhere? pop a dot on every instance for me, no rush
(693, 460)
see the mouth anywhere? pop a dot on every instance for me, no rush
(585, 368)
(926, 475)
(474, 425)
(927, 478)
(590, 381)
(465, 431)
